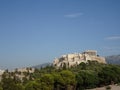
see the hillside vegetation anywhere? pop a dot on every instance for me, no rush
(83, 76)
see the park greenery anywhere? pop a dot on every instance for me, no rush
(84, 76)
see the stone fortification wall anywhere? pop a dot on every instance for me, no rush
(76, 58)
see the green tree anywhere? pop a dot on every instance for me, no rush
(87, 79)
(1, 87)
(79, 80)
(9, 84)
(109, 74)
(32, 85)
(68, 78)
(58, 81)
(83, 66)
(47, 81)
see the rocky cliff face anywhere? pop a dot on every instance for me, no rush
(76, 58)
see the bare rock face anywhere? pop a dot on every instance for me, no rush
(76, 58)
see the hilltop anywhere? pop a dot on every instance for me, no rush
(77, 58)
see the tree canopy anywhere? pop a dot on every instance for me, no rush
(84, 76)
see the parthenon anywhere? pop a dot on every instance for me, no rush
(76, 58)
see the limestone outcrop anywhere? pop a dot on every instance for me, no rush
(76, 58)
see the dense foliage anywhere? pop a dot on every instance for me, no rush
(83, 76)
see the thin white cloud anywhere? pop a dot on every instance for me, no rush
(113, 38)
(74, 15)
(111, 50)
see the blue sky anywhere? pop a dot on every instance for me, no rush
(35, 31)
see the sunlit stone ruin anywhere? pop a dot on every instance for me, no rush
(76, 58)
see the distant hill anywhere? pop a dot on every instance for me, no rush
(42, 65)
(113, 59)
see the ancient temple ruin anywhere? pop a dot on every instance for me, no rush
(76, 58)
